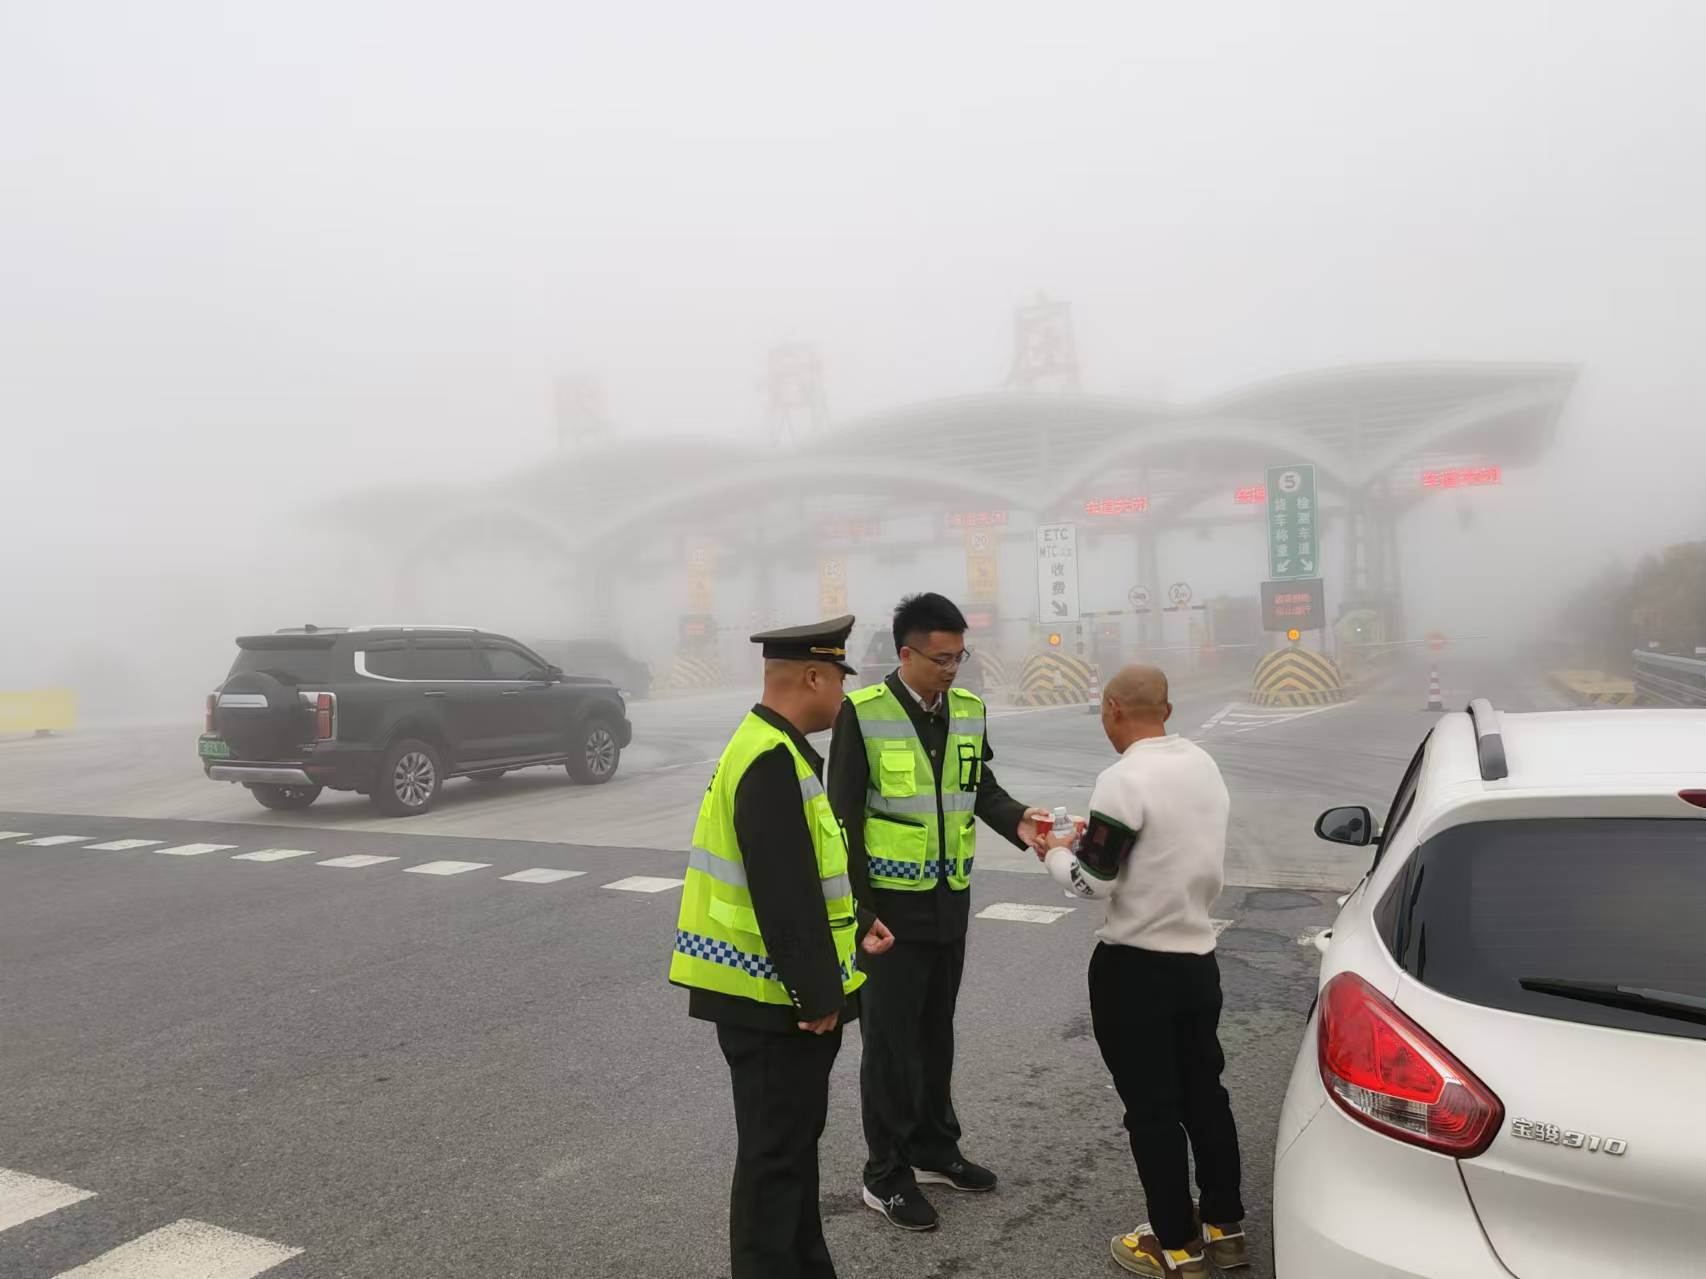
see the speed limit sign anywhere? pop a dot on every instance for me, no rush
(1179, 594)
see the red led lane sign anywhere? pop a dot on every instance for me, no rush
(976, 519)
(1460, 477)
(1116, 506)
(1252, 495)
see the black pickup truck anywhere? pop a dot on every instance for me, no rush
(392, 711)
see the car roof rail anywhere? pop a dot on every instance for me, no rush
(413, 626)
(1489, 742)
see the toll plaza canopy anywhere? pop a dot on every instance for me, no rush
(1369, 430)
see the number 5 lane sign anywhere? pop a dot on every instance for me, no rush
(1057, 573)
(1293, 523)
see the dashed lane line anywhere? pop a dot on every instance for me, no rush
(123, 845)
(13, 834)
(54, 841)
(24, 1198)
(1019, 913)
(274, 854)
(194, 850)
(645, 884)
(445, 868)
(355, 861)
(183, 1249)
(541, 875)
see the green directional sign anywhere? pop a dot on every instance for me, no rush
(1294, 541)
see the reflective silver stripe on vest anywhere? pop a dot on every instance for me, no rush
(958, 801)
(810, 788)
(733, 874)
(972, 727)
(886, 728)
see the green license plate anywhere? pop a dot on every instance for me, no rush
(213, 748)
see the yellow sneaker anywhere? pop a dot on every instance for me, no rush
(1225, 1246)
(1141, 1253)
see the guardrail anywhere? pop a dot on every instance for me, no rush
(41, 712)
(1663, 680)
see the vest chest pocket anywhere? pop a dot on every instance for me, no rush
(741, 919)
(897, 774)
(831, 842)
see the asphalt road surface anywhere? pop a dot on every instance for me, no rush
(345, 1046)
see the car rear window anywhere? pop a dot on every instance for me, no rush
(296, 664)
(1607, 904)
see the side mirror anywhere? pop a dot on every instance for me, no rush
(1354, 826)
(554, 674)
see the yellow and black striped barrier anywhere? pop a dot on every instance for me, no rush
(995, 673)
(686, 672)
(1053, 679)
(42, 712)
(1595, 688)
(1296, 677)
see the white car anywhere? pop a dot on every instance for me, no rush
(1504, 1073)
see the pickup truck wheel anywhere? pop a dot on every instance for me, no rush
(288, 799)
(593, 757)
(410, 777)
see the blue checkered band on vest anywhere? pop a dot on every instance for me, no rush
(932, 869)
(721, 952)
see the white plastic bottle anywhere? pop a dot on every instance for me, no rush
(1063, 827)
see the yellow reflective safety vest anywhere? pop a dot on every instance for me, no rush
(903, 837)
(717, 942)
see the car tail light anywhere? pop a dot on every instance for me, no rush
(1389, 1074)
(323, 723)
(207, 712)
(1695, 797)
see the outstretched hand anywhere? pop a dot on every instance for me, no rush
(1034, 827)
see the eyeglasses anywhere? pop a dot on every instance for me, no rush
(947, 661)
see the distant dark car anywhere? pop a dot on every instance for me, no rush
(392, 711)
(880, 657)
(601, 658)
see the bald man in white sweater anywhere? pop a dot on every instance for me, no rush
(1154, 848)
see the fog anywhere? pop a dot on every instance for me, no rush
(262, 270)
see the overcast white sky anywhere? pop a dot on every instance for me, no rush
(249, 254)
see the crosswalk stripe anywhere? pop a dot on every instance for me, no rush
(444, 868)
(193, 850)
(542, 875)
(13, 834)
(123, 845)
(186, 1250)
(53, 841)
(645, 884)
(274, 854)
(24, 1198)
(1018, 913)
(355, 861)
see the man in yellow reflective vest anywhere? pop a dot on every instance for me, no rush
(908, 777)
(766, 945)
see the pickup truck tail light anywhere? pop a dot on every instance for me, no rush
(325, 724)
(207, 712)
(1389, 1074)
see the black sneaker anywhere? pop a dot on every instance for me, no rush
(905, 1207)
(960, 1174)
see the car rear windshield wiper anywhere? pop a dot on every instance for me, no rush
(1644, 999)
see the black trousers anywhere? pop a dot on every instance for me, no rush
(906, 1021)
(1156, 1017)
(781, 1086)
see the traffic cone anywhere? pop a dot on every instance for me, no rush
(1094, 705)
(1434, 702)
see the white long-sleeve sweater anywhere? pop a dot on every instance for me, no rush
(1169, 791)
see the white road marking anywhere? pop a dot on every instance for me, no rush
(13, 834)
(1221, 925)
(123, 845)
(1024, 914)
(355, 861)
(52, 841)
(542, 875)
(274, 854)
(24, 1198)
(1219, 715)
(444, 868)
(186, 1250)
(193, 850)
(645, 884)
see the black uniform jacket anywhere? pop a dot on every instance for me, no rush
(935, 915)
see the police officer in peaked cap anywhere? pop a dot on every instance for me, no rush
(768, 946)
